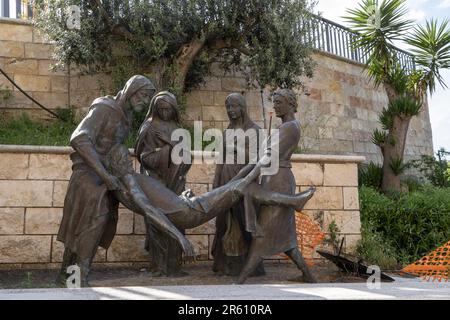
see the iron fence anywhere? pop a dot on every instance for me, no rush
(16, 9)
(328, 36)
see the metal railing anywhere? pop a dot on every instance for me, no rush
(16, 9)
(330, 37)
(325, 35)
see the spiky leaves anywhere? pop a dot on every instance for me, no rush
(405, 106)
(397, 166)
(379, 23)
(431, 46)
(379, 137)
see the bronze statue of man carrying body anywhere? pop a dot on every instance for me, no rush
(103, 176)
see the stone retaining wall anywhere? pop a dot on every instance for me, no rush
(338, 116)
(33, 182)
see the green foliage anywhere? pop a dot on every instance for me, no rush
(413, 183)
(154, 36)
(436, 170)
(373, 249)
(386, 119)
(370, 175)
(24, 131)
(66, 114)
(379, 25)
(405, 106)
(5, 94)
(398, 78)
(431, 46)
(332, 237)
(379, 137)
(397, 166)
(411, 224)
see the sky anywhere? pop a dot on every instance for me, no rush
(419, 10)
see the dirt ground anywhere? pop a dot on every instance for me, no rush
(199, 273)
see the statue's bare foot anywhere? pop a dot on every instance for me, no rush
(303, 279)
(303, 197)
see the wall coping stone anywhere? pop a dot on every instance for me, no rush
(15, 21)
(295, 158)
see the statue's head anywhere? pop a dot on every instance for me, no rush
(236, 106)
(164, 106)
(119, 162)
(138, 91)
(284, 102)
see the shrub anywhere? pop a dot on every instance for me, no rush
(370, 175)
(5, 94)
(412, 224)
(436, 170)
(374, 249)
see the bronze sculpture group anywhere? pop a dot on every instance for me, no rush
(255, 212)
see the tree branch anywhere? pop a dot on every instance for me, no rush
(116, 29)
(229, 43)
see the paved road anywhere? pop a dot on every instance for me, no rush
(400, 289)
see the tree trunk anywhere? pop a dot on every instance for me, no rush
(391, 152)
(183, 61)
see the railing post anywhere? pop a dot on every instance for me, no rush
(18, 9)
(327, 32)
(5, 8)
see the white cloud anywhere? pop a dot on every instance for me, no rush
(444, 3)
(334, 10)
(416, 15)
(440, 114)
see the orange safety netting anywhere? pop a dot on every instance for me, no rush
(309, 236)
(434, 266)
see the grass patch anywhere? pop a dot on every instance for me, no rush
(24, 131)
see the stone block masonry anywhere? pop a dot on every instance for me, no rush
(27, 58)
(33, 183)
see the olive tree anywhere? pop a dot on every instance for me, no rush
(177, 40)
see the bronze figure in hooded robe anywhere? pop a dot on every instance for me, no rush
(153, 150)
(90, 209)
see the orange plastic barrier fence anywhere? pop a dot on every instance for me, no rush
(309, 236)
(434, 266)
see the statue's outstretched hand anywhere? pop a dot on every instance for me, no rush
(188, 249)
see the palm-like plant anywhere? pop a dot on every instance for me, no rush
(431, 47)
(379, 24)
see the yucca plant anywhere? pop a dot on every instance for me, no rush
(370, 175)
(379, 24)
(431, 47)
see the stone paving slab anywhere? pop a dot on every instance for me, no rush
(405, 289)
